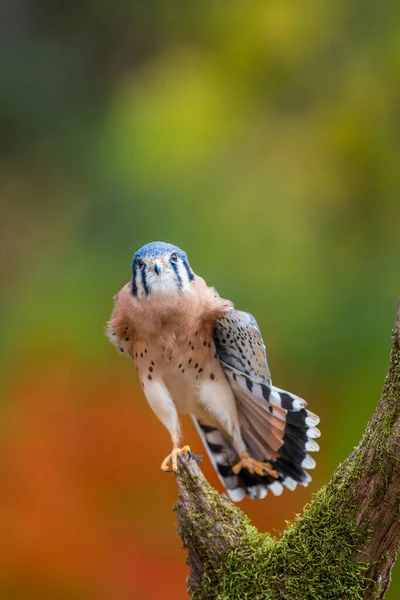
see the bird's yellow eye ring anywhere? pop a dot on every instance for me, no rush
(140, 264)
(174, 257)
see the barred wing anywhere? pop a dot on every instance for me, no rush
(240, 345)
(275, 424)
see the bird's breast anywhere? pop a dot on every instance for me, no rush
(183, 367)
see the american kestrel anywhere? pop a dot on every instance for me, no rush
(194, 353)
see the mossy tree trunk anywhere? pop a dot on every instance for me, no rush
(342, 547)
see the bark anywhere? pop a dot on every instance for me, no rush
(343, 546)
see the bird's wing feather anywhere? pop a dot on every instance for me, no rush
(240, 345)
(275, 425)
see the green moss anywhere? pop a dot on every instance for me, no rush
(384, 434)
(313, 560)
(228, 520)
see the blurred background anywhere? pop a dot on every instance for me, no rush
(261, 137)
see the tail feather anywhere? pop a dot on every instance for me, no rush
(276, 427)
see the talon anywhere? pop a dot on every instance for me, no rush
(186, 450)
(254, 466)
(170, 463)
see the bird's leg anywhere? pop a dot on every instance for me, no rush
(163, 406)
(170, 463)
(254, 466)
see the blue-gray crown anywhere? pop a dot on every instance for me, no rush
(157, 250)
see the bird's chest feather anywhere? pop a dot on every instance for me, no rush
(183, 366)
(170, 340)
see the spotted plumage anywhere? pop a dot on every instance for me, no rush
(196, 354)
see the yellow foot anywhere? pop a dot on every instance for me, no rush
(170, 463)
(254, 466)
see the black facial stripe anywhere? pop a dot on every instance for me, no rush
(178, 277)
(189, 272)
(134, 286)
(144, 282)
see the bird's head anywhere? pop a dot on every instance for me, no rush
(160, 268)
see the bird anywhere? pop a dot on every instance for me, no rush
(196, 354)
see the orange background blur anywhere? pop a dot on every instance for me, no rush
(260, 137)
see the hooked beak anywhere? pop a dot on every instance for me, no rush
(157, 267)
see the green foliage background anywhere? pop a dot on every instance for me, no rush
(261, 137)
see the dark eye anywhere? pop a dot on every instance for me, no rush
(174, 257)
(140, 264)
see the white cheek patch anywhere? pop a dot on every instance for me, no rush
(139, 284)
(183, 274)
